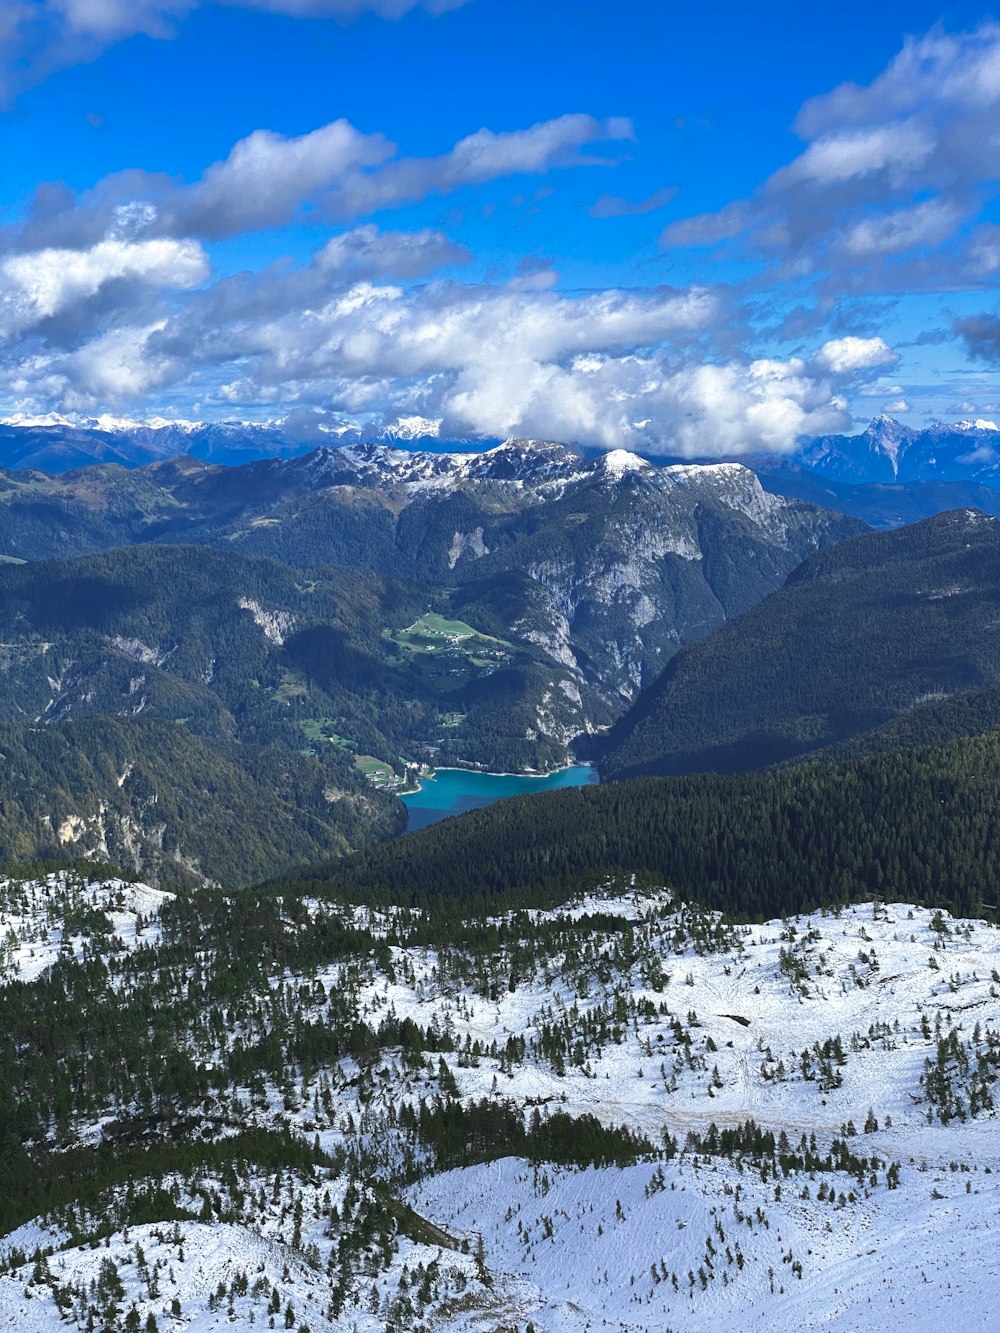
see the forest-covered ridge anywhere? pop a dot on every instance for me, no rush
(916, 825)
(885, 631)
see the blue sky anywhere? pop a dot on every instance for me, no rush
(685, 229)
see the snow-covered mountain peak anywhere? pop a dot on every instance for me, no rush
(618, 462)
(412, 428)
(522, 460)
(980, 423)
(695, 472)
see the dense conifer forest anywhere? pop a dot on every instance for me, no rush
(871, 643)
(917, 824)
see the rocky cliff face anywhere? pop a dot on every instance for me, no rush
(608, 565)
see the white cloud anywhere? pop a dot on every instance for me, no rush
(927, 224)
(843, 156)
(114, 368)
(333, 173)
(612, 368)
(114, 19)
(891, 175)
(45, 283)
(846, 356)
(706, 409)
(267, 177)
(369, 252)
(478, 158)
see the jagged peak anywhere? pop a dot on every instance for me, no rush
(885, 429)
(618, 462)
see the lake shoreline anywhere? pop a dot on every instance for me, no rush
(488, 773)
(455, 791)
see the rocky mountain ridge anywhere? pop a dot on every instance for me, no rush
(609, 562)
(887, 451)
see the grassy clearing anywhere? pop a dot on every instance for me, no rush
(318, 729)
(433, 634)
(291, 687)
(378, 772)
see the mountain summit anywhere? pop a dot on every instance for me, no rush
(888, 451)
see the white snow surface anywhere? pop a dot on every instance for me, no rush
(33, 913)
(712, 1036)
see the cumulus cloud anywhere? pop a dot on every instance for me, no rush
(640, 403)
(267, 177)
(890, 177)
(612, 368)
(335, 173)
(43, 284)
(845, 356)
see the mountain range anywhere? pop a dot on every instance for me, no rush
(258, 611)
(886, 451)
(887, 475)
(608, 564)
(55, 444)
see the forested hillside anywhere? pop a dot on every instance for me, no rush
(181, 808)
(917, 823)
(887, 630)
(607, 564)
(254, 651)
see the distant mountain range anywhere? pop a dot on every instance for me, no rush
(58, 444)
(887, 475)
(890, 452)
(886, 452)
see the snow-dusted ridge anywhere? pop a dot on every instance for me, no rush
(34, 913)
(538, 467)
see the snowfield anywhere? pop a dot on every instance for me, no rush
(864, 1044)
(42, 920)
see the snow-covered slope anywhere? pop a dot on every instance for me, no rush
(864, 1045)
(64, 914)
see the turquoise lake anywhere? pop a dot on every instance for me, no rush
(454, 790)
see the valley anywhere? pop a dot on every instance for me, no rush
(364, 612)
(520, 1050)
